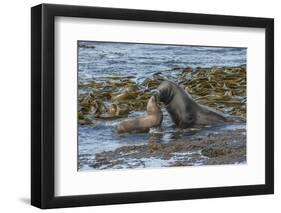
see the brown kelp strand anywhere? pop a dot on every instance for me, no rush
(223, 88)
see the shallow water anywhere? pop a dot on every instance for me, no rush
(97, 60)
(102, 137)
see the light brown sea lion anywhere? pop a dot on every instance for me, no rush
(184, 111)
(153, 118)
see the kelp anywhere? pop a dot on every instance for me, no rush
(112, 97)
(223, 88)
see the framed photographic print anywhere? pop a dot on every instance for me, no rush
(139, 106)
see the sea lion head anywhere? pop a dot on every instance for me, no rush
(152, 107)
(164, 92)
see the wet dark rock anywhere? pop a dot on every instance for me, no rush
(86, 121)
(215, 152)
(187, 69)
(216, 149)
(87, 46)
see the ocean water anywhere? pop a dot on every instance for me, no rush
(97, 59)
(102, 59)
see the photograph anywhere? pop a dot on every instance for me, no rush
(146, 105)
(139, 105)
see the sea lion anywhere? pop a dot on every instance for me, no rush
(184, 111)
(153, 118)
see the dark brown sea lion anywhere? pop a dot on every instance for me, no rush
(153, 118)
(184, 111)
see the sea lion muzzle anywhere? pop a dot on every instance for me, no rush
(156, 94)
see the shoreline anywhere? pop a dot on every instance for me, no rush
(214, 149)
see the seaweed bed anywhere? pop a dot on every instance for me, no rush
(111, 98)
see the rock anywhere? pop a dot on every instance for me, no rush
(215, 152)
(187, 69)
(86, 121)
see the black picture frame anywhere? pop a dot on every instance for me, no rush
(43, 102)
